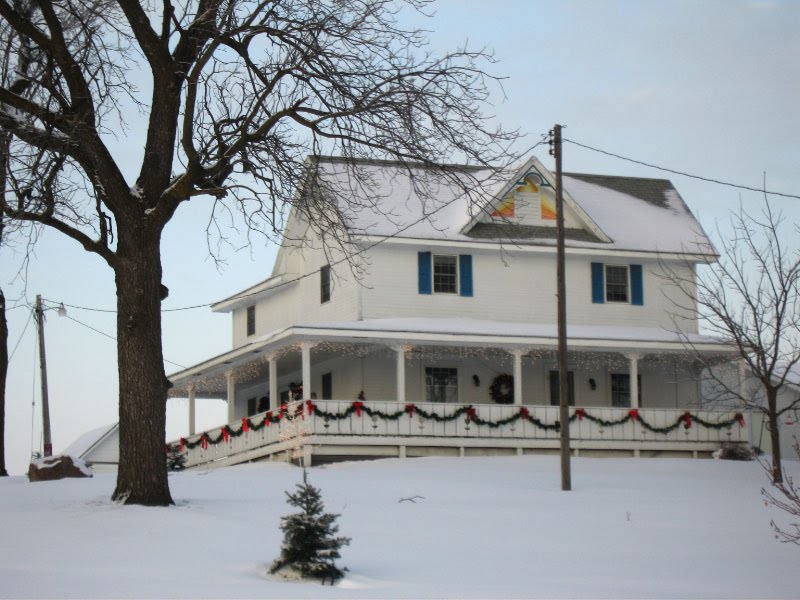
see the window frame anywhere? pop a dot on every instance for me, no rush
(456, 379)
(628, 288)
(325, 287)
(457, 274)
(250, 320)
(611, 376)
(570, 383)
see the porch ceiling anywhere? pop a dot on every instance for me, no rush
(251, 358)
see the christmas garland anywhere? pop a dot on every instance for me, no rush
(502, 389)
(470, 413)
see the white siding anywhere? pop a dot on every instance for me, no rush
(513, 286)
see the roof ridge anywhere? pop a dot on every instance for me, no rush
(572, 174)
(398, 163)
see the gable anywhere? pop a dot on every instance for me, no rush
(525, 208)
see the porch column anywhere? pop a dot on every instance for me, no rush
(231, 395)
(633, 371)
(401, 374)
(517, 352)
(305, 351)
(274, 401)
(192, 413)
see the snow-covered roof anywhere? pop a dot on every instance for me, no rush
(88, 440)
(391, 199)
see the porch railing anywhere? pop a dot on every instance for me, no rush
(369, 423)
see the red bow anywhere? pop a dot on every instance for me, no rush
(245, 425)
(472, 414)
(358, 405)
(740, 418)
(225, 434)
(687, 420)
(267, 418)
(310, 406)
(634, 414)
(283, 408)
(204, 442)
(580, 413)
(410, 408)
(524, 413)
(181, 444)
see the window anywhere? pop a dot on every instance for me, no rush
(445, 274)
(325, 284)
(251, 320)
(441, 384)
(327, 386)
(616, 283)
(621, 389)
(251, 406)
(555, 389)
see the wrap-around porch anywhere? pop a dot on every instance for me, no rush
(376, 392)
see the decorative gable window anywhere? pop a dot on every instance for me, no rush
(617, 284)
(251, 320)
(325, 284)
(445, 274)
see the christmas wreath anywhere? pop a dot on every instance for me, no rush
(502, 389)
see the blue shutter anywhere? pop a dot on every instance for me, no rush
(465, 274)
(598, 289)
(424, 262)
(637, 287)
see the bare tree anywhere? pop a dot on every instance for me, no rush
(3, 371)
(241, 91)
(786, 497)
(750, 299)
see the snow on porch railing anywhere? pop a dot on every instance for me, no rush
(490, 421)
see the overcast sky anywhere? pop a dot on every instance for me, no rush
(710, 88)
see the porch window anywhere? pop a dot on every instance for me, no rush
(327, 386)
(621, 389)
(251, 320)
(325, 284)
(555, 388)
(441, 384)
(252, 406)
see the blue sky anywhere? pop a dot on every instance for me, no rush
(705, 87)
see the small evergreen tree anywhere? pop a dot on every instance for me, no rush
(310, 545)
(176, 460)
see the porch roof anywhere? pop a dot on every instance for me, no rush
(454, 332)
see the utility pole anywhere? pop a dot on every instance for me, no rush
(48, 445)
(563, 368)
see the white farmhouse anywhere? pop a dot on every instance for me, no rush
(437, 336)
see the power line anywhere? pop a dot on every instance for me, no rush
(111, 337)
(24, 329)
(683, 173)
(345, 258)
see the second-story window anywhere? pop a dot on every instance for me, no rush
(445, 274)
(325, 284)
(616, 283)
(251, 320)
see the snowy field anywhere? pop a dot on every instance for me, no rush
(485, 528)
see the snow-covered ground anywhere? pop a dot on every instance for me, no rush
(484, 528)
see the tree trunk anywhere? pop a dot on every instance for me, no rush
(774, 434)
(3, 374)
(142, 474)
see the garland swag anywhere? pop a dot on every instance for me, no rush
(470, 413)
